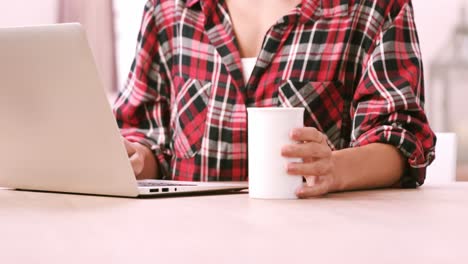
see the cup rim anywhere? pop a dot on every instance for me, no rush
(268, 109)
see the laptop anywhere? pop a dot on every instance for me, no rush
(57, 129)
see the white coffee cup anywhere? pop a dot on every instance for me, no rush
(268, 132)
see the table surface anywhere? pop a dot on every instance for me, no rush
(427, 225)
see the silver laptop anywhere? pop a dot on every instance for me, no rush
(57, 130)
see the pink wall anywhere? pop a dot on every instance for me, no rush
(435, 21)
(27, 12)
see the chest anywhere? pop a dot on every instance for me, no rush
(312, 52)
(251, 20)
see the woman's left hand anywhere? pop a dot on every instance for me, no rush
(317, 167)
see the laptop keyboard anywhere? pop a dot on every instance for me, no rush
(158, 184)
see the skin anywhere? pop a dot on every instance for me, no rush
(367, 167)
(142, 159)
(252, 19)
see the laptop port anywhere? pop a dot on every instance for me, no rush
(165, 189)
(154, 190)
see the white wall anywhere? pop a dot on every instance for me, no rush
(27, 12)
(128, 15)
(435, 19)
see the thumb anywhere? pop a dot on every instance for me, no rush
(131, 150)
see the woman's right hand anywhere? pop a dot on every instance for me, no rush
(142, 159)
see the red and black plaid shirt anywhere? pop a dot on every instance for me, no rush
(355, 66)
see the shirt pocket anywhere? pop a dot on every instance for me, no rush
(324, 104)
(189, 116)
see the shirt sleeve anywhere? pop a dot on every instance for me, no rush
(388, 104)
(142, 108)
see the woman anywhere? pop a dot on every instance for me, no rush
(355, 66)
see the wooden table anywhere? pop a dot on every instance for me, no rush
(428, 225)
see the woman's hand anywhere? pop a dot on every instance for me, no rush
(317, 167)
(142, 159)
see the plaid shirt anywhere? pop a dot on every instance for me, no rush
(355, 66)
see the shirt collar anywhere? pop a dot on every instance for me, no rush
(191, 3)
(310, 8)
(335, 8)
(313, 9)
